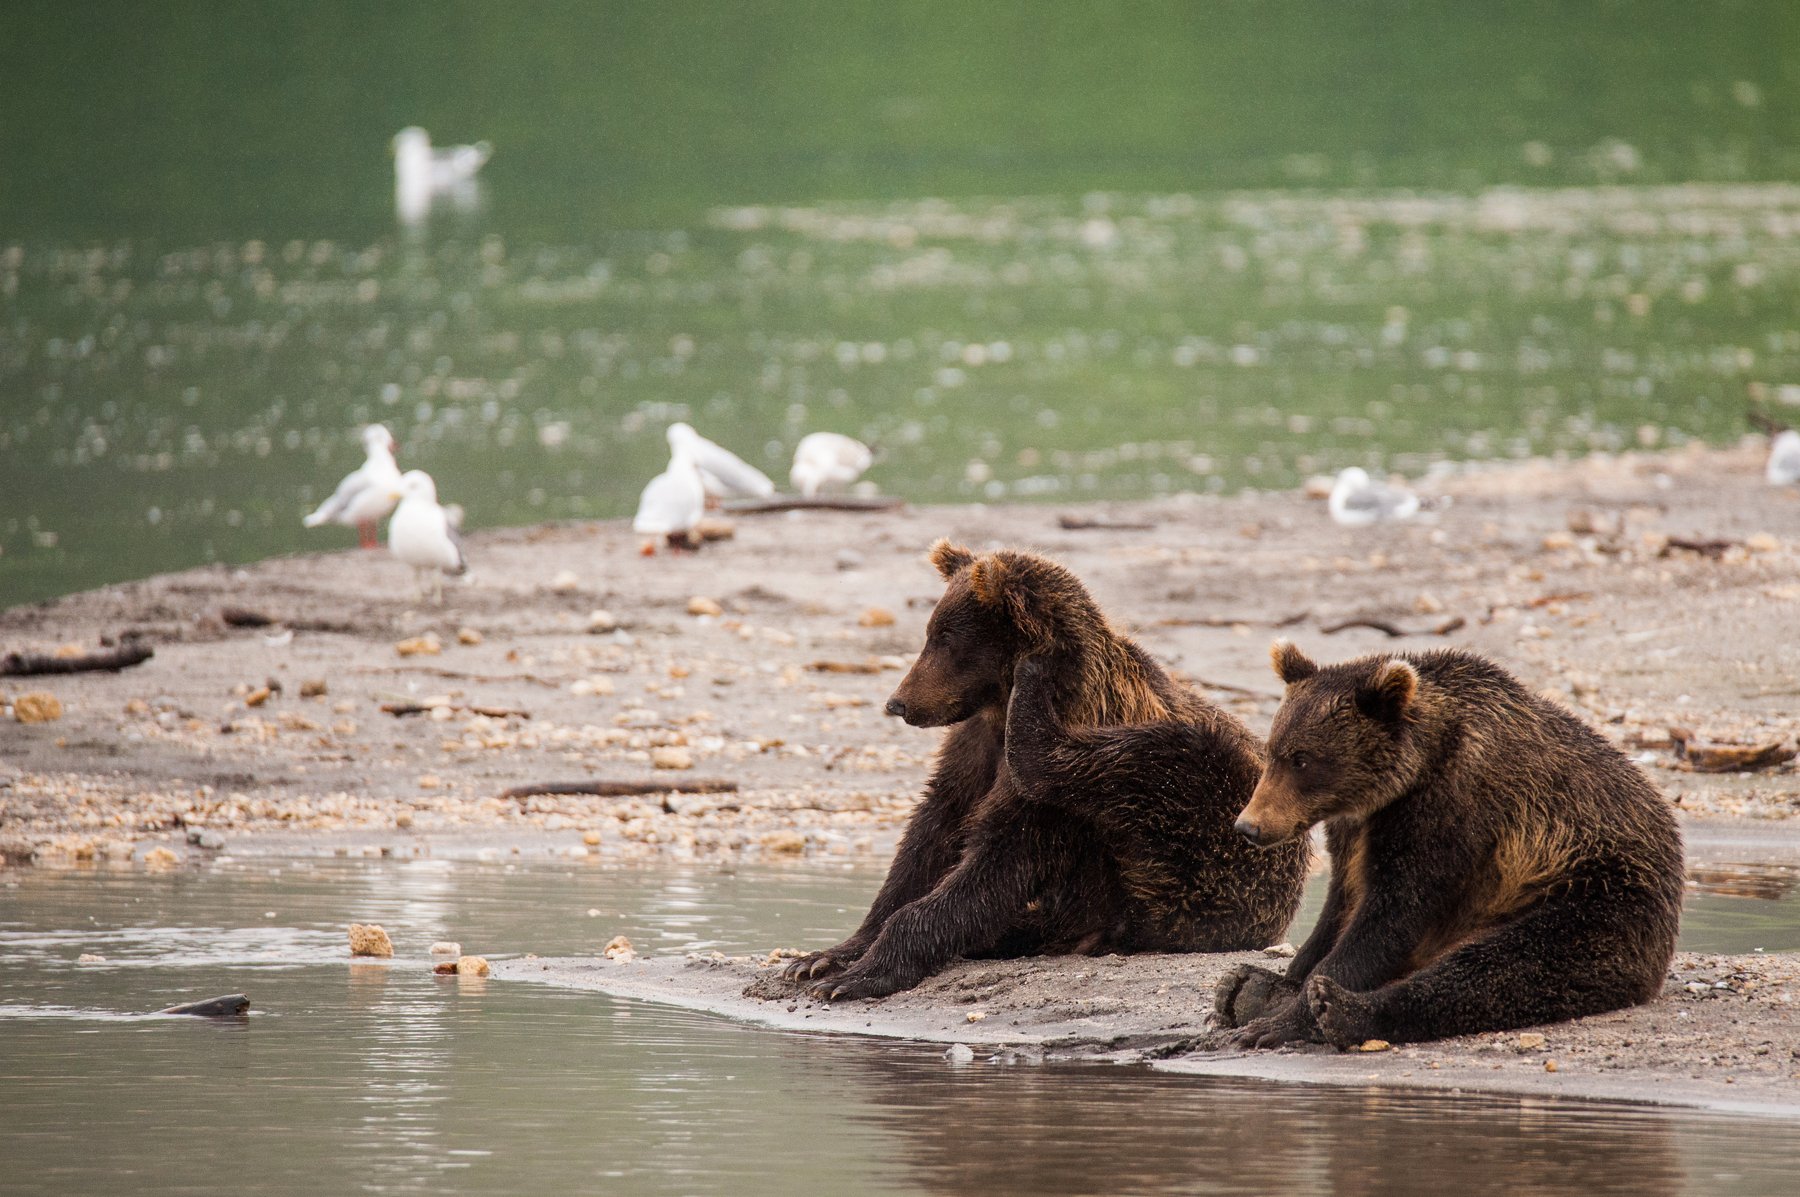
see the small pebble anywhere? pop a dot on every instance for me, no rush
(446, 947)
(369, 939)
(701, 605)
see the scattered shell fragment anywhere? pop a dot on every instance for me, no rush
(39, 706)
(601, 620)
(1530, 1041)
(671, 756)
(1283, 950)
(565, 582)
(619, 948)
(370, 939)
(419, 646)
(875, 617)
(975, 1016)
(258, 696)
(472, 966)
(446, 947)
(468, 636)
(160, 858)
(701, 605)
(313, 687)
(1549, 1065)
(1374, 1045)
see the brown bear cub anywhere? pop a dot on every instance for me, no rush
(1101, 850)
(1495, 863)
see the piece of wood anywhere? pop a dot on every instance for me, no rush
(1231, 621)
(460, 676)
(1082, 523)
(129, 652)
(1711, 549)
(1704, 757)
(246, 617)
(775, 503)
(1383, 626)
(229, 1006)
(400, 710)
(870, 665)
(625, 789)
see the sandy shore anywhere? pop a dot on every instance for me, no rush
(1724, 1036)
(1570, 573)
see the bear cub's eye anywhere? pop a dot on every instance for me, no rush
(1298, 762)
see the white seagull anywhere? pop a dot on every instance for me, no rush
(422, 534)
(367, 493)
(1358, 500)
(674, 502)
(421, 172)
(724, 474)
(1784, 459)
(828, 461)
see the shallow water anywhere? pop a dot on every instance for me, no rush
(1028, 257)
(378, 1077)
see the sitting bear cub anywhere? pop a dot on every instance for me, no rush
(1100, 821)
(1494, 863)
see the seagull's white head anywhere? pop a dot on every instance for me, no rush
(680, 434)
(411, 139)
(417, 484)
(376, 436)
(1353, 478)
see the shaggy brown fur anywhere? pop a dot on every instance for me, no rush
(992, 867)
(1495, 863)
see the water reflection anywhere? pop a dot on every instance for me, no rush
(377, 1075)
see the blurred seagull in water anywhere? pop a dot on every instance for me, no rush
(828, 461)
(1358, 500)
(421, 172)
(723, 473)
(368, 493)
(674, 502)
(423, 535)
(1784, 459)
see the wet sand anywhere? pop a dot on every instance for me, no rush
(1724, 1036)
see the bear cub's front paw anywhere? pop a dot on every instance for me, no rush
(1247, 993)
(1346, 1018)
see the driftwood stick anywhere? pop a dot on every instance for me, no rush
(229, 1006)
(129, 652)
(625, 789)
(245, 617)
(776, 503)
(401, 709)
(1230, 621)
(1382, 625)
(1082, 523)
(1713, 549)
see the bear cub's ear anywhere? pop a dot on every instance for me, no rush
(1387, 694)
(1291, 665)
(949, 558)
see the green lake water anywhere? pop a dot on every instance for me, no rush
(375, 1076)
(1109, 250)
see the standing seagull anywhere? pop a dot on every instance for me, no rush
(1784, 459)
(828, 461)
(421, 172)
(366, 494)
(674, 502)
(422, 535)
(724, 474)
(1358, 500)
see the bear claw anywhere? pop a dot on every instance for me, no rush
(1345, 1017)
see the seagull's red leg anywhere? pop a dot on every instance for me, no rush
(366, 529)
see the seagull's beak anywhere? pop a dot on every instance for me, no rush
(395, 496)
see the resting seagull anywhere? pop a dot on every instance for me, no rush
(422, 535)
(828, 461)
(724, 474)
(674, 502)
(1784, 459)
(420, 172)
(366, 494)
(1358, 500)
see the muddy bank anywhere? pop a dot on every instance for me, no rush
(1647, 591)
(1724, 1035)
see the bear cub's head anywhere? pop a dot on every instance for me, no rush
(1340, 744)
(996, 608)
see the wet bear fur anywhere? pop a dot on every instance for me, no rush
(1495, 863)
(1100, 851)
